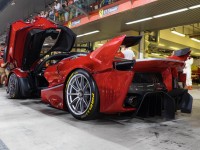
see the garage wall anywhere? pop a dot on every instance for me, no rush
(167, 35)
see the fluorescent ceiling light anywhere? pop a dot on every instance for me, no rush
(175, 48)
(88, 33)
(177, 33)
(100, 44)
(140, 20)
(155, 54)
(170, 13)
(161, 44)
(193, 7)
(164, 14)
(196, 40)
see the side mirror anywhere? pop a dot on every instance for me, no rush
(124, 65)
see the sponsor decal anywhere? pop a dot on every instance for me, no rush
(71, 77)
(108, 11)
(91, 105)
(73, 23)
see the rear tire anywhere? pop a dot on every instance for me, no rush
(81, 95)
(13, 87)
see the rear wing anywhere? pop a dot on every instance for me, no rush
(181, 54)
(106, 53)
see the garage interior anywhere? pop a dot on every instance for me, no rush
(30, 124)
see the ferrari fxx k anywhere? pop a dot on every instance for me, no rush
(87, 84)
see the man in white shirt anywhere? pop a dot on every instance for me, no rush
(128, 54)
(187, 70)
(57, 6)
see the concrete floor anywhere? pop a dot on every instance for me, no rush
(31, 125)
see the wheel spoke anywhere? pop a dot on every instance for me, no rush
(72, 93)
(86, 104)
(77, 104)
(85, 86)
(82, 82)
(74, 100)
(75, 88)
(77, 83)
(81, 105)
(86, 94)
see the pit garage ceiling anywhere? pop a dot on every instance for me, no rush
(112, 26)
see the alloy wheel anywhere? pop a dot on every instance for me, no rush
(78, 94)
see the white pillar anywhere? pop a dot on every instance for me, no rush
(141, 46)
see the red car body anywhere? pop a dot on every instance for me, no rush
(111, 82)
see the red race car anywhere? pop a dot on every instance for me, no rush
(87, 84)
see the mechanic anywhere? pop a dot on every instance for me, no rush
(2, 73)
(8, 67)
(187, 71)
(2, 70)
(128, 54)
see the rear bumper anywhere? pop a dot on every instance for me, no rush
(160, 103)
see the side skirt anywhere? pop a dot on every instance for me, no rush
(53, 96)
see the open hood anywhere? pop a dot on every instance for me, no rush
(26, 40)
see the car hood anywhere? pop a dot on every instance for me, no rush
(25, 41)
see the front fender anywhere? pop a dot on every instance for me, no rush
(19, 73)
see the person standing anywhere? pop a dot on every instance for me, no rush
(66, 10)
(2, 70)
(128, 54)
(57, 8)
(188, 72)
(51, 13)
(2, 73)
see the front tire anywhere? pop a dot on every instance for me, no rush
(81, 95)
(13, 87)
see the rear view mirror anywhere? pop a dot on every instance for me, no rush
(124, 65)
